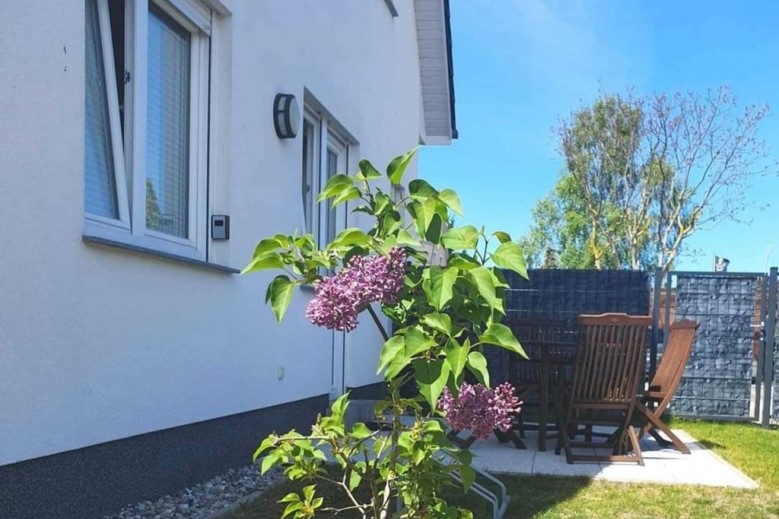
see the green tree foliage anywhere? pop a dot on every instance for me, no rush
(642, 174)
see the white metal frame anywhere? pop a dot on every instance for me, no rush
(130, 159)
(312, 175)
(327, 137)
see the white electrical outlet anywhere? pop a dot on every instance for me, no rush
(280, 372)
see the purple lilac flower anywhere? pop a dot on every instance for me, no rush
(366, 279)
(480, 409)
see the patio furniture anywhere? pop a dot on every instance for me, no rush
(663, 385)
(607, 374)
(550, 345)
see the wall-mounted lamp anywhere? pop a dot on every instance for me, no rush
(286, 116)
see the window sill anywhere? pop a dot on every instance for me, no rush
(95, 240)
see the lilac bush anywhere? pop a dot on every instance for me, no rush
(436, 317)
(479, 409)
(365, 280)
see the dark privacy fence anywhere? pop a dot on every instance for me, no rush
(564, 294)
(718, 379)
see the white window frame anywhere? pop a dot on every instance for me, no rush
(327, 137)
(130, 157)
(314, 162)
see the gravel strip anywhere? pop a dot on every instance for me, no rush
(206, 499)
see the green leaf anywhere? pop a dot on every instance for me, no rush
(339, 406)
(396, 366)
(462, 261)
(502, 237)
(350, 237)
(398, 165)
(391, 349)
(405, 238)
(482, 278)
(501, 335)
(452, 200)
(418, 189)
(292, 508)
(268, 462)
(279, 294)
(268, 260)
(361, 431)
(367, 171)
(431, 378)
(290, 498)
(266, 444)
(441, 283)
(350, 193)
(508, 255)
(439, 322)
(417, 342)
(267, 245)
(456, 356)
(308, 492)
(478, 365)
(425, 212)
(433, 231)
(468, 476)
(354, 479)
(335, 186)
(382, 201)
(459, 238)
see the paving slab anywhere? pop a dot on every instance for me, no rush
(661, 465)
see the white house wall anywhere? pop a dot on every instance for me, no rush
(98, 344)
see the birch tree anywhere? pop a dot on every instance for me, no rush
(643, 174)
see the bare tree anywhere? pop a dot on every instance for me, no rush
(709, 153)
(650, 171)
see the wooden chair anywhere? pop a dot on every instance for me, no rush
(607, 374)
(663, 385)
(550, 345)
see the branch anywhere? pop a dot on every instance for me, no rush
(379, 325)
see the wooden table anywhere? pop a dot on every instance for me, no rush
(550, 357)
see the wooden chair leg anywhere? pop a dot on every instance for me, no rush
(657, 423)
(636, 447)
(562, 426)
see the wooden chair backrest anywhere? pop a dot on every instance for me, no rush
(675, 356)
(609, 358)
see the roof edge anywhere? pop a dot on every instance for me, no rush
(450, 66)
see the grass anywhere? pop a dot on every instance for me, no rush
(753, 450)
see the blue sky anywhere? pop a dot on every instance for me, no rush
(521, 65)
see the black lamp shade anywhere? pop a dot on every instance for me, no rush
(286, 116)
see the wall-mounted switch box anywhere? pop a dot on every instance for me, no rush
(220, 227)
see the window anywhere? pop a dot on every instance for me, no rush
(325, 154)
(146, 123)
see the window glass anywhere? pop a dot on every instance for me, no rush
(167, 127)
(99, 184)
(332, 170)
(308, 175)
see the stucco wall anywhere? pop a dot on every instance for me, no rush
(99, 344)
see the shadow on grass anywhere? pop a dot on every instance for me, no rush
(531, 496)
(711, 445)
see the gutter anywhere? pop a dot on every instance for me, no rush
(448, 25)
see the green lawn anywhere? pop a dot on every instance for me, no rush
(755, 451)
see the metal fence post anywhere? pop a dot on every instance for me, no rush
(761, 346)
(768, 359)
(655, 322)
(669, 298)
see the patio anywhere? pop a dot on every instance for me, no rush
(661, 465)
